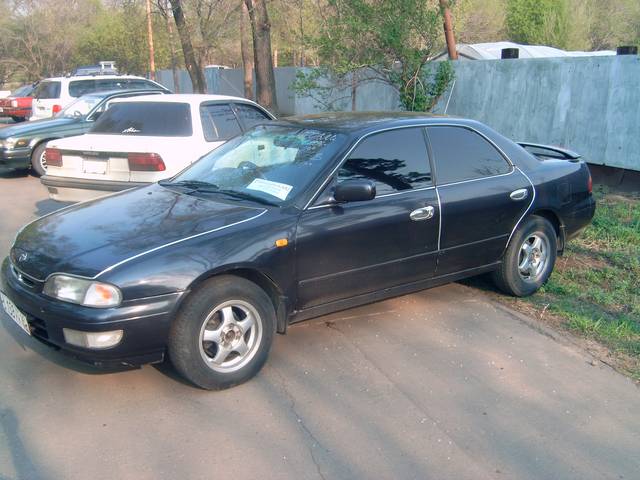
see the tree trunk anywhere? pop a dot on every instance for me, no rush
(152, 58)
(172, 51)
(191, 62)
(265, 80)
(245, 49)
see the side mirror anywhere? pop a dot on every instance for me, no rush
(354, 191)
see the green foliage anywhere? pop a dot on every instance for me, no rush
(594, 287)
(538, 22)
(393, 38)
(122, 36)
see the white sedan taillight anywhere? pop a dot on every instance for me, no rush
(146, 162)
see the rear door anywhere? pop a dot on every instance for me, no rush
(482, 198)
(356, 248)
(45, 96)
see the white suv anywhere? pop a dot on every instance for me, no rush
(54, 94)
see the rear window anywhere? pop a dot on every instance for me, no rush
(47, 90)
(157, 119)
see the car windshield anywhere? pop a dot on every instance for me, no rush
(23, 91)
(81, 107)
(269, 164)
(157, 119)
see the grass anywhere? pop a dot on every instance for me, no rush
(594, 290)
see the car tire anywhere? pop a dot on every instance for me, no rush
(38, 162)
(529, 258)
(18, 119)
(222, 334)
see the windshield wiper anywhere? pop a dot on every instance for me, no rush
(192, 184)
(246, 196)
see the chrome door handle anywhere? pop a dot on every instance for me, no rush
(424, 213)
(519, 194)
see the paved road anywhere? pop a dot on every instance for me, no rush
(441, 384)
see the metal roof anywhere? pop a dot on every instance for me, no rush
(493, 51)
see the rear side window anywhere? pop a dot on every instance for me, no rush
(157, 119)
(78, 88)
(462, 154)
(250, 115)
(395, 160)
(47, 90)
(218, 122)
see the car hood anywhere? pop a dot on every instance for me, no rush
(35, 127)
(89, 237)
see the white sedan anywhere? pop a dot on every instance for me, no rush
(141, 140)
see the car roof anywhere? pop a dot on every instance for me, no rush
(92, 77)
(191, 98)
(361, 122)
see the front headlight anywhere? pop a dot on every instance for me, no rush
(11, 143)
(82, 291)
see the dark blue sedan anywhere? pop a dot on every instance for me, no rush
(290, 221)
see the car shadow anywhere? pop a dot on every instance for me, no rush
(13, 173)
(481, 282)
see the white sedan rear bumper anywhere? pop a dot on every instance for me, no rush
(66, 189)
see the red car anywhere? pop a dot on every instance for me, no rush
(18, 104)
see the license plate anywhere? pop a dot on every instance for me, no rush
(95, 166)
(15, 314)
(1, 110)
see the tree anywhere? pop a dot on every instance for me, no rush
(192, 63)
(381, 40)
(537, 22)
(247, 59)
(263, 60)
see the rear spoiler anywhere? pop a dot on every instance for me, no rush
(548, 151)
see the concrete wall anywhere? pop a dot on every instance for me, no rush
(589, 104)
(370, 95)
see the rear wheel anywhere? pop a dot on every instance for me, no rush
(529, 259)
(38, 160)
(223, 333)
(18, 119)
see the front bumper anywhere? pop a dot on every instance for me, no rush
(15, 158)
(15, 112)
(145, 322)
(69, 189)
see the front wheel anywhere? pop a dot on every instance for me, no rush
(529, 259)
(38, 160)
(223, 333)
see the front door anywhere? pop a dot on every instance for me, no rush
(357, 248)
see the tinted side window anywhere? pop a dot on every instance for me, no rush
(139, 84)
(462, 154)
(395, 160)
(81, 87)
(47, 90)
(218, 122)
(250, 115)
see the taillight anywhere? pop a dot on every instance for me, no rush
(14, 103)
(590, 183)
(53, 156)
(146, 162)
(56, 109)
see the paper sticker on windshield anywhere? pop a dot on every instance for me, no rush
(279, 190)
